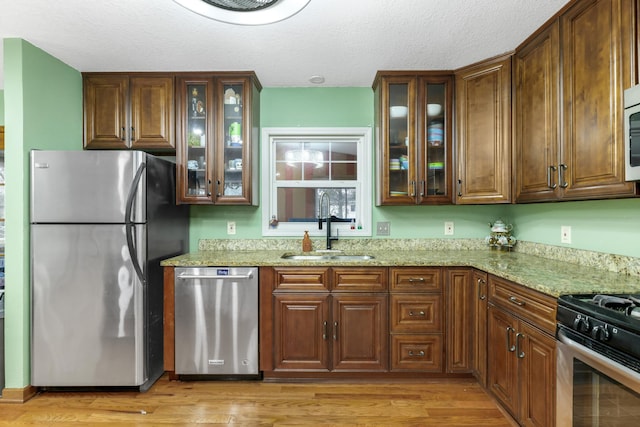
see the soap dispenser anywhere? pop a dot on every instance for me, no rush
(306, 242)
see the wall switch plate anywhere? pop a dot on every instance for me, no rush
(383, 228)
(565, 234)
(231, 227)
(448, 228)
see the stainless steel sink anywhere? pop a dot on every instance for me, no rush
(327, 257)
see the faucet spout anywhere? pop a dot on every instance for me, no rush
(327, 219)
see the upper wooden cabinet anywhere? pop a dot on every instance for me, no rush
(413, 116)
(569, 83)
(123, 111)
(217, 138)
(483, 132)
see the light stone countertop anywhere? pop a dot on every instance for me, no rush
(552, 277)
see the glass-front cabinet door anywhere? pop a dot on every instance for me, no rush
(435, 140)
(216, 156)
(414, 150)
(194, 136)
(397, 184)
(231, 177)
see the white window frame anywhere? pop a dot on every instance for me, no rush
(363, 183)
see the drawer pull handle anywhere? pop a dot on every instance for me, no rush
(324, 330)
(516, 301)
(419, 354)
(420, 313)
(416, 279)
(335, 331)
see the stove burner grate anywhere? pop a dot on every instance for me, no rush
(628, 305)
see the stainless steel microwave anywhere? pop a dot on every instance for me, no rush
(632, 133)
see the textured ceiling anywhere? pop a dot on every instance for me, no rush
(346, 41)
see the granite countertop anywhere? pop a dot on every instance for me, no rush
(549, 276)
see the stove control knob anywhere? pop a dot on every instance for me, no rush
(581, 324)
(600, 333)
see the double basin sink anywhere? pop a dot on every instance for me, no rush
(327, 257)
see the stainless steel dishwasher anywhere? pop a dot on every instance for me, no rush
(216, 321)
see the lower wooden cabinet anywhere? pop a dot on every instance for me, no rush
(459, 311)
(325, 320)
(330, 332)
(301, 331)
(417, 319)
(479, 328)
(521, 357)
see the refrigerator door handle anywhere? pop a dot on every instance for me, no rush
(129, 224)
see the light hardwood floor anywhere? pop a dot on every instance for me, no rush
(253, 403)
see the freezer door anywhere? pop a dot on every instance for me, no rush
(88, 324)
(216, 321)
(85, 186)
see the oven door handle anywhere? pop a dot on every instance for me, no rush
(612, 369)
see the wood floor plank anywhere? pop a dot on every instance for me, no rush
(439, 403)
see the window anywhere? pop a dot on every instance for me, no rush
(302, 164)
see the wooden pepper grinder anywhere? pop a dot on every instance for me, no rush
(306, 242)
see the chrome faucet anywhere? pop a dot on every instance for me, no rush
(327, 218)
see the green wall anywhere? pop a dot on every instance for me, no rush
(611, 226)
(43, 99)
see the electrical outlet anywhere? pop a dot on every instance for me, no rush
(231, 227)
(383, 228)
(565, 234)
(448, 228)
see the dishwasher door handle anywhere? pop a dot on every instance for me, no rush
(195, 276)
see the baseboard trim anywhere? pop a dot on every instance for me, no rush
(18, 395)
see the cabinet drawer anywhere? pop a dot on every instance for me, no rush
(525, 303)
(301, 279)
(416, 313)
(360, 279)
(412, 279)
(417, 353)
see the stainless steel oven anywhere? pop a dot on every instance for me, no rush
(598, 362)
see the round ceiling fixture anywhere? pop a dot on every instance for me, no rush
(245, 12)
(317, 79)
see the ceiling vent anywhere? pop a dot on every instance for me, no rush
(245, 12)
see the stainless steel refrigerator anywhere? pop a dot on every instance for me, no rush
(101, 222)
